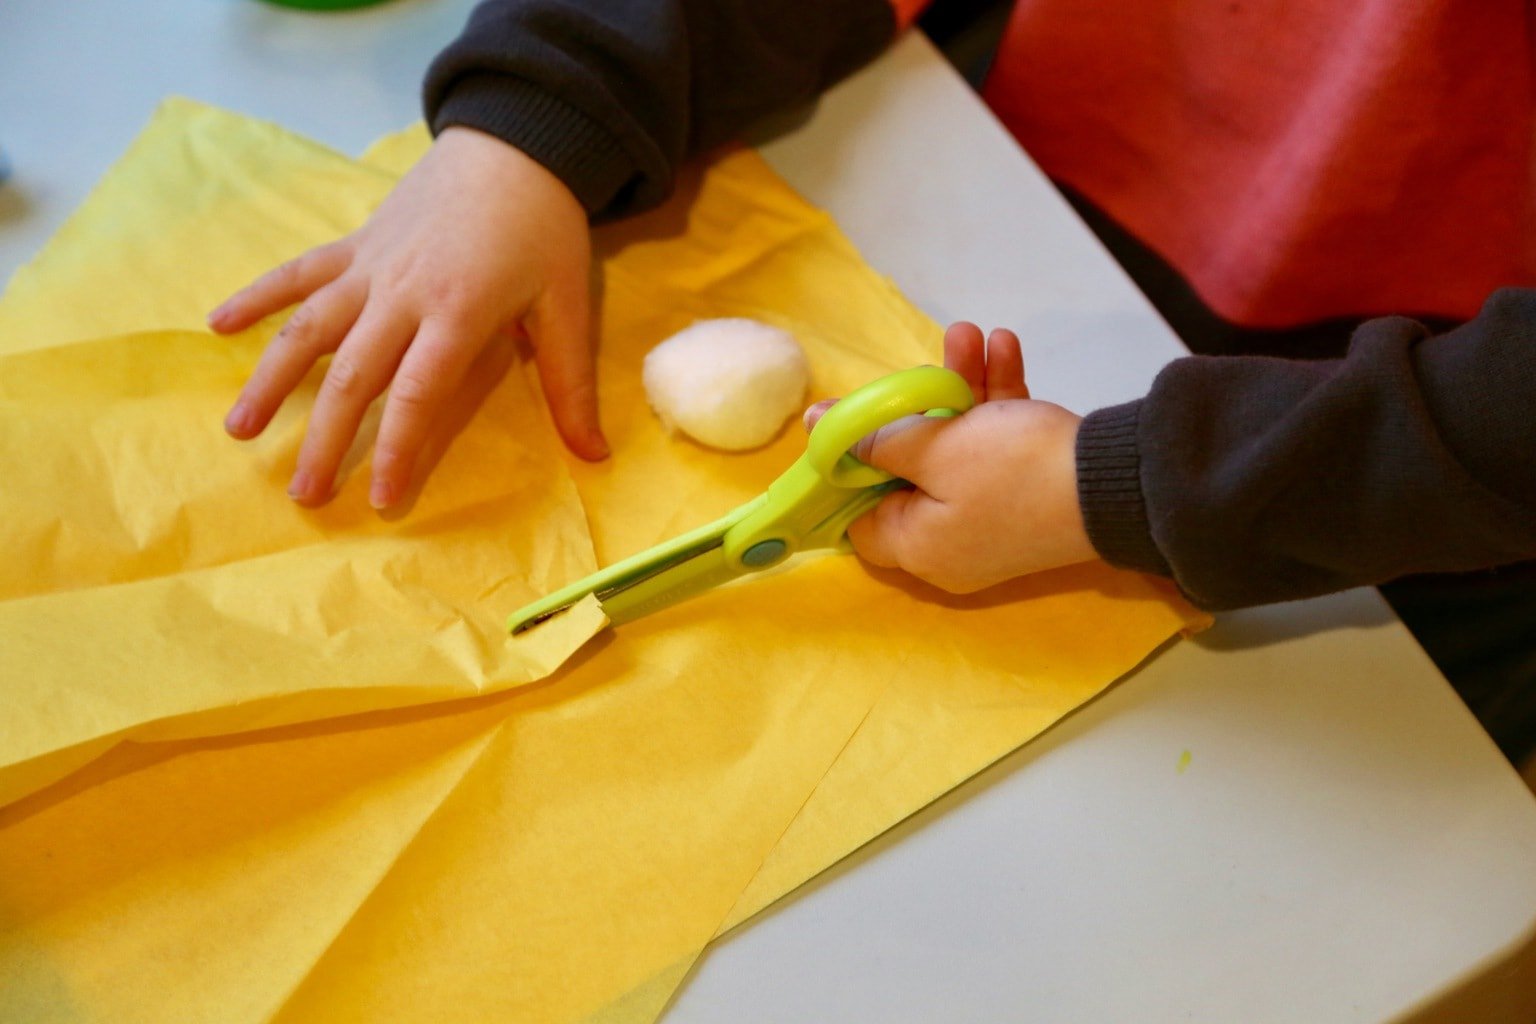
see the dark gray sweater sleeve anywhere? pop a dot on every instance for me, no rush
(611, 95)
(1251, 480)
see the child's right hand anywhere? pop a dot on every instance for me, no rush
(994, 491)
(477, 238)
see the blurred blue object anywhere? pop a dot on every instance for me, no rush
(5, 167)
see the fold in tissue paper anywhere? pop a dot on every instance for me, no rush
(268, 765)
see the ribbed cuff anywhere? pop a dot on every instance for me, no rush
(573, 147)
(1109, 490)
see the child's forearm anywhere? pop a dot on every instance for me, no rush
(612, 97)
(1251, 480)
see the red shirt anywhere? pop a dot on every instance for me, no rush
(1295, 160)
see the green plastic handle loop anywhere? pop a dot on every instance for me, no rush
(812, 502)
(904, 393)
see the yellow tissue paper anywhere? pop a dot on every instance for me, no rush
(163, 584)
(159, 581)
(558, 852)
(165, 234)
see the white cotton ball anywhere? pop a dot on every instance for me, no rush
(727, 383)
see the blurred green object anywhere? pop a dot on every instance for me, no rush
(325, 5)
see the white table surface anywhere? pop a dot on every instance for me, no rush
(1344, 843)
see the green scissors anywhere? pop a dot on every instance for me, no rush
(810, 506)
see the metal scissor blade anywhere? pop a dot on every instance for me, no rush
(686, 578)
(640, 583)
(664, 583)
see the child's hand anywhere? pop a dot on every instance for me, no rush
(477, 238)
(995, 489)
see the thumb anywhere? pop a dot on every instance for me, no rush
(560, 329)
(904, 448)
(813, 415)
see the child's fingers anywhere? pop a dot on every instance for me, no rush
(876, 535)
(315, 328)
(1005, 366)
(907, 530)
(560, 329)
(281, 287)
(434, 366)
(905, 448)
(359, 372)
(965, 353)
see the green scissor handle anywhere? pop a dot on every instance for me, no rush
(876, 404)
(812, 503)
(809, 506)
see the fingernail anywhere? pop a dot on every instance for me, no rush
(381, 495)
(299, 487)
(239, 421)
(217, 317)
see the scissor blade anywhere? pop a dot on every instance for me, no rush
(629, 588)
(688, 577)
(685, 575)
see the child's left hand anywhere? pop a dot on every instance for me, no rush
(995, 490)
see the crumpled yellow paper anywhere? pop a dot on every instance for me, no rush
(158, 581)
(557, 852)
